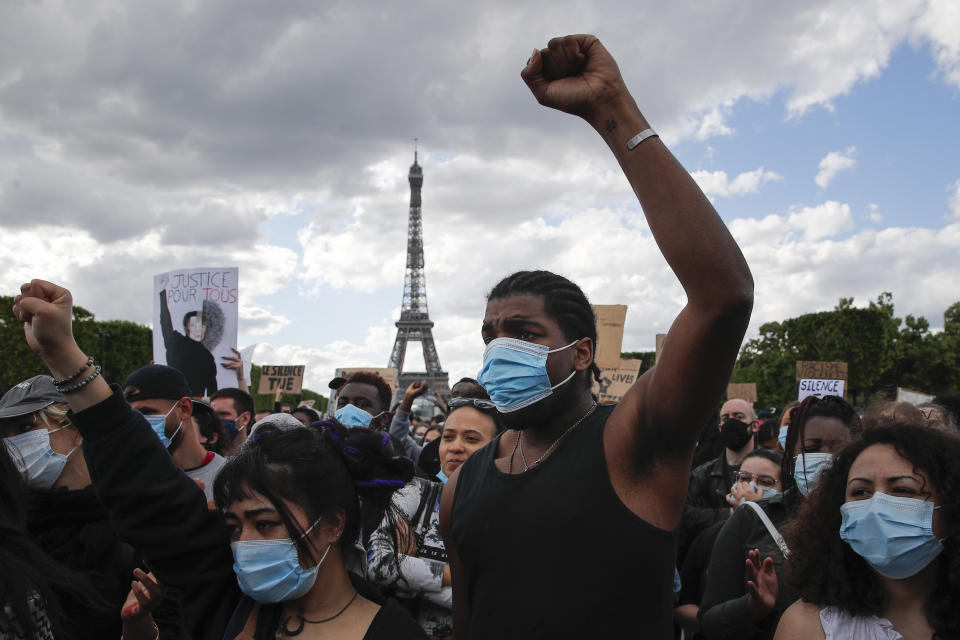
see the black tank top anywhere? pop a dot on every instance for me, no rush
(554, 553)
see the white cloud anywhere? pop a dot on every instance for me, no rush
(260, 321)
(874, 215)
(717, 184)
(954, 200)
(832, 164)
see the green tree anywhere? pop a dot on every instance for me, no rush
(118, 346)
(863, 338)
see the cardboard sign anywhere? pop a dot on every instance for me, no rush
(307, 403)
(610, 320)
(808, 370)
(286, 378)
(820, 388)
(614, 383)
(661, 338)
(742, 390)
(821, 379)
(913, 397)
(195, 325)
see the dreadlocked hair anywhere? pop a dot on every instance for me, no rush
(814, 407)
(563, 301)
(326, 469)
(826, 571)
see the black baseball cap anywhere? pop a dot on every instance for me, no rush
(159, 381)
(28, 396)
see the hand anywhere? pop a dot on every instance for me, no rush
(762, 586)
(741, 492)
(234, 362)
(414, 391)
(574, 74)
(46, 310)
(163, 281)
(145, 594)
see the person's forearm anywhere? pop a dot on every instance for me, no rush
(65, 364)
(690, 234)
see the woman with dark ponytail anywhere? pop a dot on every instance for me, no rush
(288, 504)
(291, 499)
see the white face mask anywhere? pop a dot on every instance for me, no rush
(36, 459)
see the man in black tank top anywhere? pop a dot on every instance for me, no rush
(563, 526)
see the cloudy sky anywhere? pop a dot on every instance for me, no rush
(141, 137)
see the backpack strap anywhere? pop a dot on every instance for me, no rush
(765, 519)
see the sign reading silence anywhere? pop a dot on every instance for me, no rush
(285, 378)
(821, 379)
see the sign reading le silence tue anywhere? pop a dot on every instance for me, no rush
(285, 378)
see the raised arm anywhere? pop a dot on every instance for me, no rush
(657, 423)
(153, 505)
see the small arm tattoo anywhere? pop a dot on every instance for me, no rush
(611, 125)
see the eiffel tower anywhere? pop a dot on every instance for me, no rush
(415, 323)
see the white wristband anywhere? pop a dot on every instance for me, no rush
(640, 137)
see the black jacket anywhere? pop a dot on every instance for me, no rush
(73, 527)
(161, 512)
(706, 499)
(723, 609)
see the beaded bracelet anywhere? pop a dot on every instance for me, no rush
(81, 370)
(82, 383)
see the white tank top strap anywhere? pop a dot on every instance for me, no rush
(839, 625)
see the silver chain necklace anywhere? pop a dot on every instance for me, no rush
(519, 443)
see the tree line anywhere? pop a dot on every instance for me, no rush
(882, 352)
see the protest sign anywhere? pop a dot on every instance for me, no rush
(195, 324)
(246, 355)
(743, 391)
(610, 319)
(913, 397)
(615, 382)
(661, 338)
(285, 378)
(821, 379)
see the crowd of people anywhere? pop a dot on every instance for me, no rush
(525, 509)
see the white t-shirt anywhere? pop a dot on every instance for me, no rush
(207, 473)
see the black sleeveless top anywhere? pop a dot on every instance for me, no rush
(553, 553)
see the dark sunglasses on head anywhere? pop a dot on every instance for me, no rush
(477, 403)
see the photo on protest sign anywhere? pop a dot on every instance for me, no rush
(195, 325)
(615, 382)
(821, 379)
(284, 378)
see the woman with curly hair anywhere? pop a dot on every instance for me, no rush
(877, 545)
(744, 594)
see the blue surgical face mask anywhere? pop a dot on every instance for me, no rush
(782, 437)
(159, 425)
(36, 460)
(514, 373)
(893, 534)
(350, 415)
(269, 571)
(231, 428)
(807, 468)
(768, 492)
